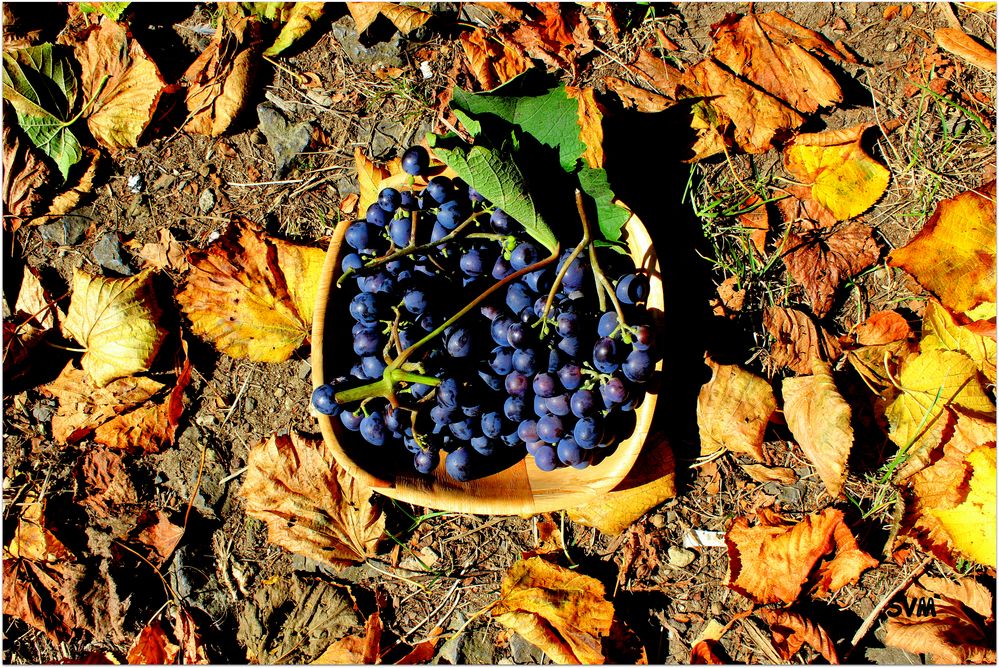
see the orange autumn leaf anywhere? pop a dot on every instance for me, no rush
(103, 482)
(882, 327)
(356, 650)
(405, 17)
(660, 74)
(706, 649)
(791, 630)
(633, 96)
(797, 340)
(954, 255)
(820, 260)
(589, 117)
(819, 420)
(311, 506)
(26, 178)
(733, 409)
(251, 294)
(963, 45)
(843, 177)
(158, 645)
(166, 253)
(771, 51)
(774, 561)
(155, 530)
(558, 37)
(492, 63)
(960, 630)
(562, 612)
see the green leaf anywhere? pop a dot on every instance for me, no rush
(268, 11)
(610, 216)
(495, 174)
(112, 10)
(299, 21)
(549, 117)
(42, 88)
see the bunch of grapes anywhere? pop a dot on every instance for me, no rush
(470, 339)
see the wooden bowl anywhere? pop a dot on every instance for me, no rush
(522, 489)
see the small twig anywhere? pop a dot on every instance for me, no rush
(234, 475)
(264, 183)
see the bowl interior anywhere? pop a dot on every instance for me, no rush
(520, 489)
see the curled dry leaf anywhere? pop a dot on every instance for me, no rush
(706, 650)
(406, 18)
(68, 199)
(791, 630)
(492, 63)
(820, 260)
(730, 300)
(733, 409)
(773, 561)
(220, 78)
(562, 612)
(25, 179)
(117, 321)
(942, 332)
(251, 294)
(657, 72)
(965, 46)
(882, 327)
(798, 340)
(764, 474)
(590, 120)
(650, 482)
(557, 38)
(103, 483)
(819, 420)
(157, 645)
(312, 507)
(844, 178)
(167, 253)
(633, 96)
(299, 21)
(356, 650)
(157, 532)
(772, 52)
(952, 634)
(121, 81)
(954, 255)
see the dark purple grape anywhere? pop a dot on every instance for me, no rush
(491, 424)
(583, 403)
(359, 235)
(459, 343)
(558, 405)
(566, 324)
(605, 355)
(373, 366)
(373, 428)
(524, 255)
(419, 390)
(377, 216)
(367, 342)
(607, 323)
(632, 288)
(472, 262)
(518, 335)
(324, 400)
(533, 446)
(571, 376)
(364, 308)
(451, 214)
(501, 222)
(518, 297)
(448, 392)
(545, 458)
(351, 261)
(645, 337)
(544, 385)
(539, 280)
(425, 461)
(389, 199)
(528, 431)
(502, 361)
(462, 429)
(541, 406)
(415, 301)
(459, 464)
(484, 445)
(525, 361)
(489, 311)
(516, 384)
(407, 200)
(438, 232)
(475, 196)
(571, 346)
(513, 409)
(409, 335)
(500, 329)
(613, 392)
(588, 432)
(351, 421)
(400, 230)
(574, 276)
(569, 452)
(638, 367)
(415, 160)
(501, 268)
(438, 189)
(550, 429)
(442, 415)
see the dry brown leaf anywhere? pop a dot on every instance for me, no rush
(508, 10)
(220, 78)
(117, 321)
(312, 507)
(70, 197)
(773, 561)
(252, 294)
(34, 303)
(406, 18)
(800, 210)
(650, 482)
(819, 420)
(965, 46)
(941, 331)
(155, 530)
(757, 222)
(882, 327)
(706, 650)
(733, 409)
(562, 612)
(26, 177)
(122, 83)
(167, 253)
(954, 255)
(791, 631)
(764, 474)
(492, 63)
(632, 96)
(798, 340)
(192, 648)
(369, 178)
(557, 38)
(843, 177)
(820, 260)
(657, 72)
(759, 119)
(103, 483)
(590, 120)
(730, 300)
(950, 635)
(356, 650)
(153, 646)
(768, 49)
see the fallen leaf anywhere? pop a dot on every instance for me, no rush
(797, 340)
(72, 195)
(843, 177)
(954, 255)
(557, 38)
(800, 210)
(312, 507)
(759, 119)
(25, 179)
(767, 49)
(821, 260)
(972, 524)
(103, 483)
(773, 561)
(167, 253)
(121, 83)
(941, 331)
(34, 302)
(650, 482)
(155, 530)
(117, 321)
(878, 365)
(951, 635)
(706, 650)
(356, 650)
(756, 221)
(890, 12)
(731, 298)
(369, 178)
(882, 327)
(965, 46)
(590, 119)
(657, 72)
(819, 420)
(192, 648)
(219, 79)
(562, 612)
(153, 646)
(406, 18)
(764, 474)
(251, 294)
(633, 96)
(492, 63)
(791, 630)
(299, 21)
(733, 409)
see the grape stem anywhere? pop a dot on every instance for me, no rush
(565, 266)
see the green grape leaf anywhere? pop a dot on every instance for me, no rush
(611, 217)
(495, 174)
(41, 86)
(112, 10)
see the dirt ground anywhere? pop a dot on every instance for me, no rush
(231, 404)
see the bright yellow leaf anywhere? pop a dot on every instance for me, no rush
(369, 178)
(733, 409)
(940, 331)
(299, 21)
(404, 17)
(972, 524)
(590, 120)
(117, 321)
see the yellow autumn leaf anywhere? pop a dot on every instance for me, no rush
(940, 331)
(369, 178)
(562, 612)
(589, 117)
(117, 321)
(124, 84)
(650, 482)
(844, 178)
(251, 294)
(404, 17)
(819, 420)
(733, 409)
(929, 382)
(954, 255)
(299, 21)
(972, 524)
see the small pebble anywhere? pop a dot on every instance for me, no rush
(716, 609)
(107, 253)
(680, 557)
(891, 46)
(207, 200)
(136, 183)
(279, 392)
(251, 404)
(658, 521)
(304, 369)
(206, 420)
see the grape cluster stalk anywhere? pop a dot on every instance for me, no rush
(474, 344)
